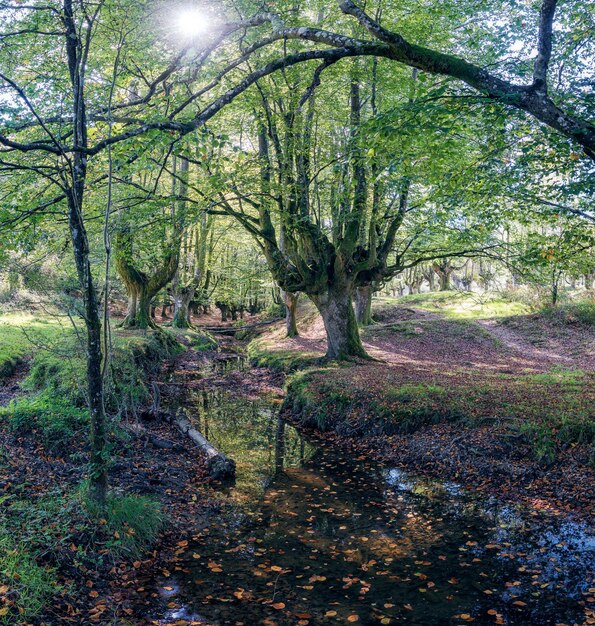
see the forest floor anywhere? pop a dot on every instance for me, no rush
(469, 397)
(459, 390)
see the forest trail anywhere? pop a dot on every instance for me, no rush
(518, 344)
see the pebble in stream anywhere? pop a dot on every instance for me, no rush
(309, 537)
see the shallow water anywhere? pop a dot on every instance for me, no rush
(308, 536)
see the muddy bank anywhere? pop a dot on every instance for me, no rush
(483, 459)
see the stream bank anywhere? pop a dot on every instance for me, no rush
(311, 535)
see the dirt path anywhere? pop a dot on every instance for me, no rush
(515, 342)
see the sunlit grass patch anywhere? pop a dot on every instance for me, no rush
(560, 375)
(22, 334)
(462, 305)
(265, 354)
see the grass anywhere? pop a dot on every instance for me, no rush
(552, 410)
(462, 305)
(264, 353)
(56, 412)
(25, 586)
(131, 523)
(56, 421)
(37, 536)
(452, 330)
(21, 334)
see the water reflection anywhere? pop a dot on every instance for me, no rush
(320, 539)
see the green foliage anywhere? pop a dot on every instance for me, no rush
(131, 522)
(137, 356)
(28, 584)
(58, 374)
(54, 419)
(57, 410)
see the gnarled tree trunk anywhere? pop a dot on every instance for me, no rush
(182, 299)
(140, 287)
(342, 332)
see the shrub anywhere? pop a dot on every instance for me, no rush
(577, 313)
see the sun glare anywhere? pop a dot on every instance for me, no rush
(192, 22)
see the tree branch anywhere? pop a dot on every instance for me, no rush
(544, 45)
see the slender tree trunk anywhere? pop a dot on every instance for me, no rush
(80, 246)
(555, 287)
(98, 461)
(291, 302)
(342, 332)
(363, 305)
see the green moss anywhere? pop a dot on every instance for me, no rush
(263, 354)
(202, 341)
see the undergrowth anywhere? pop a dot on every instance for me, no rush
(56, 409)
(262, 354)
(40, 536)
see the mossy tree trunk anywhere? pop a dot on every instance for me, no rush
(291, 302)
(141, 287)
(363, 305)
(342, 333)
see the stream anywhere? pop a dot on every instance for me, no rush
(306, 535)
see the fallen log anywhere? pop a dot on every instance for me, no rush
(141, 432)
(220, 466)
